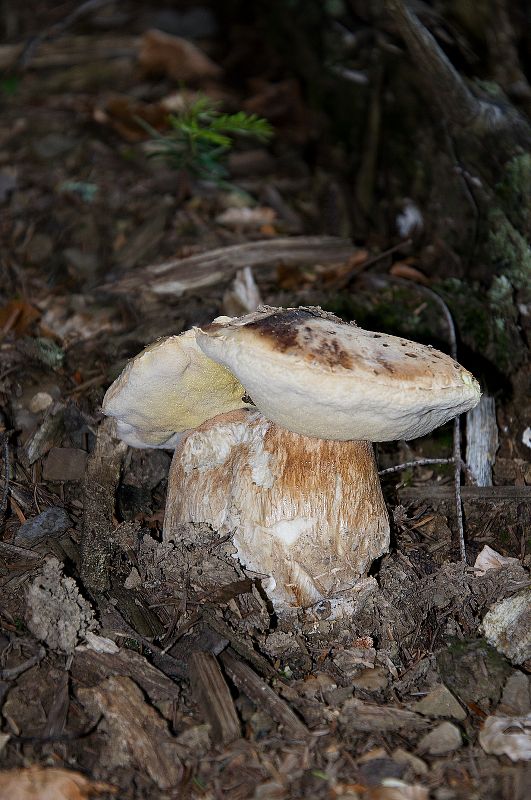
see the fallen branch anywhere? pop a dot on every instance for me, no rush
(215, 266)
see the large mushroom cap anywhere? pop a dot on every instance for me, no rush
(170, 387)
(313, 374)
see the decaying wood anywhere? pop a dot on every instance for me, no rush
(470, 494)
(482, 440)
(263, 696)
(137, 733)
(215, 266)
(213, 696)
(239, 645)
(462, 110)
(47, 434)
(101, 479)
(90, 668)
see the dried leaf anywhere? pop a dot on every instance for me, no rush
(123, 114)
(17, 316)
(490, 559)
(404, 270)
(508, 736)
(163, 54)
(39, 783)
(247, 218)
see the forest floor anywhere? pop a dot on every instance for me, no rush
(176, 680)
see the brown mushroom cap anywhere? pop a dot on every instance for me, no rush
(315, 375)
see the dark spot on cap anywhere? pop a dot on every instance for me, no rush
(282, 328)
(410, 355)
(329, 352)
(289, 331)
(385, 364)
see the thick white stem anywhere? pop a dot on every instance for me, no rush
(306, 513)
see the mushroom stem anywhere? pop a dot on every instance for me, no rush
(306, 513)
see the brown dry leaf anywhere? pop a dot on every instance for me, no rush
(404, 270)
(40, 783)
(491, 559)
(122, 114)
(17, 316)
(163, 54)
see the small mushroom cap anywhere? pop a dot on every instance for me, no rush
(170, 387)
(313, 374)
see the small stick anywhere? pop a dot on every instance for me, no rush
(5, 490)
(263, 696)
(452, 338)
(420, 462)
(213, 695)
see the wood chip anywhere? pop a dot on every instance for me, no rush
(206, 269)
(263, 696)
(138, 735)
(213, 696)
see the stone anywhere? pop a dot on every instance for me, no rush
(65, 464)
(40, 402)
(507, 626)
(445, 738)
(516, 696)
(440, 702)
(51, 523)
(418, 766)
(371, 680)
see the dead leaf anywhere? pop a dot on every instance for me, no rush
(404, 270)
(17, 316)
(246, 218)
(40, 783)
(508, 736)
(490, 559)
(122, 114)
(163, 54)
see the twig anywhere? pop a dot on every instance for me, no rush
(420, 462)
(10, 673)
(457, 489)
(457, 459)
(369, 262)
(5, 458)
(31, 46)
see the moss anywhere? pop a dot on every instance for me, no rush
(508, 250)
(486, 319)
(513, 192)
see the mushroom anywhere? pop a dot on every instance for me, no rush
(170, 387)
(286, 466)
